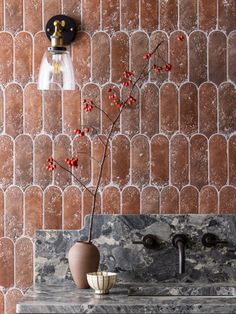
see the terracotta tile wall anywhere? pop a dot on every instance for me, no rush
(173, 153)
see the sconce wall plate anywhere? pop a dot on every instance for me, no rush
(68, 30)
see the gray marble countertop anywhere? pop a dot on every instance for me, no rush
(64, 297)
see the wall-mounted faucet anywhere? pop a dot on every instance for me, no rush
(179, 241)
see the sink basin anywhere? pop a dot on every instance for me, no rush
(183, 289)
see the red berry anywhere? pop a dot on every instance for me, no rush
(180, 38)
(168, 67)
(147, 56)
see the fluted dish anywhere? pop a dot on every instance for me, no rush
(101, 281)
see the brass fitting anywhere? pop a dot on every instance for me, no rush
(56, 38)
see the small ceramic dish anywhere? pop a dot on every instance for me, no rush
(101, 281)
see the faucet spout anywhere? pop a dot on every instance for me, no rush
(179, 241)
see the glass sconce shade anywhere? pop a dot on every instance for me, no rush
(56, 70)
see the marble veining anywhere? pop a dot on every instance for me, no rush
(114, 234)
(148, 279)
(66, 298)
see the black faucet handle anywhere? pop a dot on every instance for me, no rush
(211, 240)
(149, 241)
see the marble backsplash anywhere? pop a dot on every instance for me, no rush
(114, 236)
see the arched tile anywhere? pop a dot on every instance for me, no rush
(23, 57)
(33, 15)
(33, 115)
(33, 210)
(150, 200)
(208, 200)
(24, 263)
(189, 200)
(232, 56)
(41, 43)
(88, 202)
(160, 160)
(6, 263)
(129, 15)
(1, 110)
(188, 109)
(168, 15)
(98, 153)
(62, 150)
(119, 56)
(23, 161)
(149, 15)
(157, 38)
(169, 108)
(227, 110)
(110, 108)
(179, 164)
(120, 160)
(14, 213)
(42, 151)
(13, 110)
(232, 160)
(52, 112)
(13, 296)
(71, 111)
(218, 160)
(1, 302)
(140, 162)
(197, 57)
(188, 15)
(198, 161)
(130, 116)
(178, 58)
(81, 55)
(52, 208)
(1, 214)
(130, 200)
(217, 57)
(92, 118)
(91, 15)
(169, 200)
(101, 58)
(6, 58)
(13, 15)
(82, 150)
(6, 166)
(111, 200)
(72, 208)
(111, 15)
(207, 15)
(149, 109)
(139, 46)
(227, 202)
(227, 15)
(208, 109)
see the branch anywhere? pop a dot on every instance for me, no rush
(71, 173)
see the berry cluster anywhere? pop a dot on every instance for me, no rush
(88, 105)
(80, 132)
(114, 99)
(72, 162)
(51, 166)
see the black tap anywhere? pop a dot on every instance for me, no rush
(179, 241)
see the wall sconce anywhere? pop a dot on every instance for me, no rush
(56, 69)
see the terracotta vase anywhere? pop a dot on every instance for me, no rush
(83, 258)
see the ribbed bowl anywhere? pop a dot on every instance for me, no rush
(101, 281)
